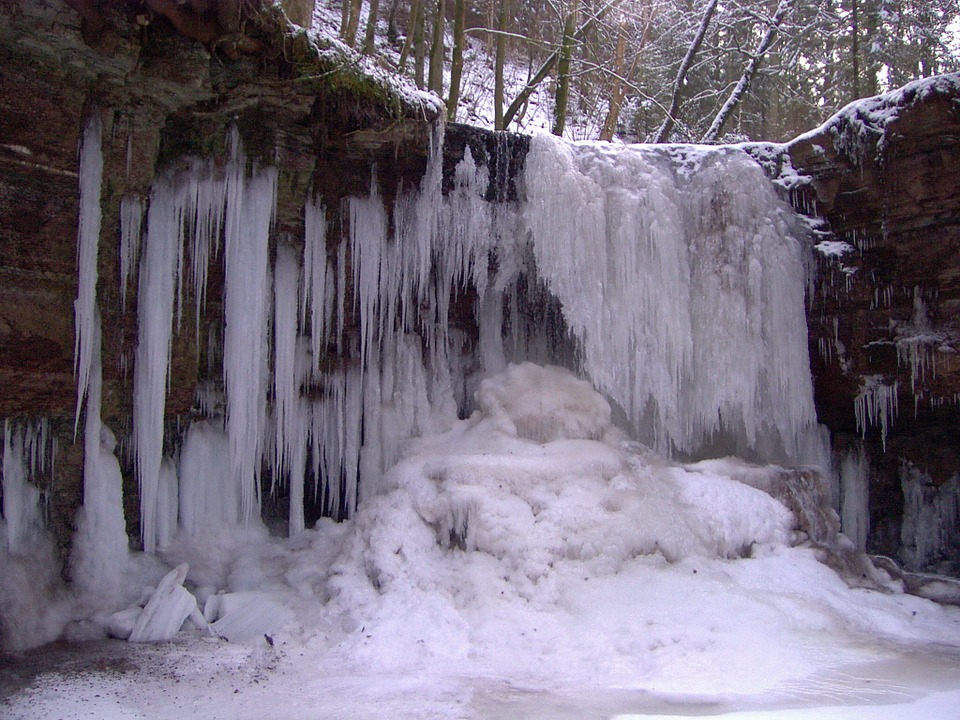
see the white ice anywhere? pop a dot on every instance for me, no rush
(530, 562)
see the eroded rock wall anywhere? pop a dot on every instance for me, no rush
(884, 318)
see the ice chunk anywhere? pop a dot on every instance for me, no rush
(166, 611)
(245, 615)
(545, 404)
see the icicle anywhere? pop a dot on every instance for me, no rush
(249, 217)
(368, 235)
(131, 220)
(876, 404)
(88, 240)
(155, 301)
(316, 275)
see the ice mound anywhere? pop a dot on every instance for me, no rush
(537, 486)
(522, 544)
(544, 404)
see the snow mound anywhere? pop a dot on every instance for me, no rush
(544, 404)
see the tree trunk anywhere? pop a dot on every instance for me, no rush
(370, 38)
(855, 47)
(392, 33)
(353, 23)
(435, 81)
(564, 61)
(736, 95)
(408, 41)
(663, 132)
(456, 63)
(500, 58)
(616, 90)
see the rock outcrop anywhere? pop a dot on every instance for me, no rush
(882, 181)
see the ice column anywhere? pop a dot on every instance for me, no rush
(291, 412)
(250, 208)
(159, 269)
(100, 547)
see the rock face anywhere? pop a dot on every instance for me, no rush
(160, 96)
(884, 317)
(882, 179)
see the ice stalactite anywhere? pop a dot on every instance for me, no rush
(876, 405)
(159, 269)
(318, 278)
(131, 230)
(88, 242)
(684, 283)
(249, 219)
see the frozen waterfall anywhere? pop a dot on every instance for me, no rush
(679, 278)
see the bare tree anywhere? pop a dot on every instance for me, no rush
(678, 84)
(456, 63)
(435, 79)
(753, 64)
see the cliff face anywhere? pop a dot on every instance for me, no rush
(882, 179)
(160, 96)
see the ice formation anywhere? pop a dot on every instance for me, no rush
(685, 288)
(677, 280)
(671, 280)
(88, 242)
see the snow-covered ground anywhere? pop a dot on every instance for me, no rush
(529, 562)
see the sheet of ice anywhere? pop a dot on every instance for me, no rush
(247, 615)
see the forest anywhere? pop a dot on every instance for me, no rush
(652, 70)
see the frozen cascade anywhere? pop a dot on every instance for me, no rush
(695, 270)
(855, 497)
(88, 241)
(685, 288)
(931, 517)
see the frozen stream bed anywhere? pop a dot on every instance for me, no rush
(193, 678)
